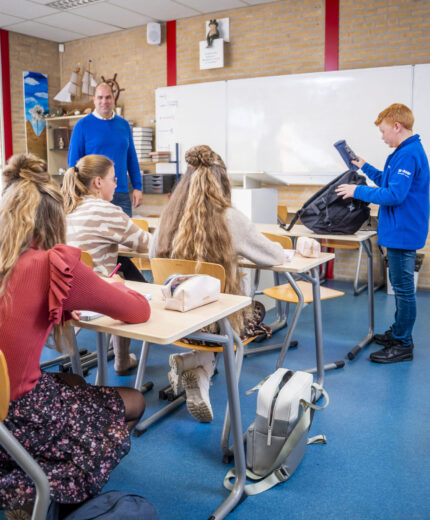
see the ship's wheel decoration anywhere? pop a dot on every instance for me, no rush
(113, 83)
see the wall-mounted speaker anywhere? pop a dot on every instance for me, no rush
(153, 33)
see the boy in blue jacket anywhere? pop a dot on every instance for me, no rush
(403, 196)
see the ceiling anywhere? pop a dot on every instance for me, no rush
(41, 19)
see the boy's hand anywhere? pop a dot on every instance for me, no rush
(359, 162)
(346, 191)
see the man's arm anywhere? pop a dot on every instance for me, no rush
(77, 145)
(133, 169)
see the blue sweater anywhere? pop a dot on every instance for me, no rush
(403, 195)
(109, 137)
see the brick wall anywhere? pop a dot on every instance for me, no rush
(283, 37)
(34, 55)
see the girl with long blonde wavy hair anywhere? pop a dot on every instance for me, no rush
(199, 223)
(42, 283)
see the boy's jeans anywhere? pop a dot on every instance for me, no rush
(401, 263)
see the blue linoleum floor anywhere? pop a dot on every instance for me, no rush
(375, 466)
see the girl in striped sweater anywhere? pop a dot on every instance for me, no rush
(96, 225)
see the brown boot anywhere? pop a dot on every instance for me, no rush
(124, 361)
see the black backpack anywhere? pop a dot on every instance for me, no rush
(326, 212)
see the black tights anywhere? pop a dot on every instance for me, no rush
(133, 400)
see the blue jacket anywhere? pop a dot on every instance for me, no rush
(403, 195)
(109, 137)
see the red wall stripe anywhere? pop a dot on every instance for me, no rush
(7, 110)
(331, 62)
(171, 52)
(331, 34)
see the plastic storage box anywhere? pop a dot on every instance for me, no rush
(158, 183)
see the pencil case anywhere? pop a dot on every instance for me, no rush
(185, 292)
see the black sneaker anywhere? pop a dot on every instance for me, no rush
(382, 339)
(395, 353)
(386, 339)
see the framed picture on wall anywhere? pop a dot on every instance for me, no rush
(35, 108)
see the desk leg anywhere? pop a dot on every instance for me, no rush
(75, 357)
(102, 364)
(236, 422)
(367, 244)
(318, 325)
(142, 365)
(225, 436)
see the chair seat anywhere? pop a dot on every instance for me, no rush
(286, 293)
(210, 349)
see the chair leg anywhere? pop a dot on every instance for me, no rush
(32, 468)
(293, 323)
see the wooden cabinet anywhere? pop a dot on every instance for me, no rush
(58, 138)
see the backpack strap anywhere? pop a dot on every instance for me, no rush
(276, 473)
(295, 219)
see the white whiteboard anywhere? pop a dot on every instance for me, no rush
(421, 104)
(191, 115)
(286, 125)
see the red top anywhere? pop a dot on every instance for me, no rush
(42, 290)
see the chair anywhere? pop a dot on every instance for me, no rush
(282, 213)
(287, 293)
(161, 269)
(87, 259)
(142, 264)
(17, 451)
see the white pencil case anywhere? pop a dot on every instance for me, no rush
(185, 292)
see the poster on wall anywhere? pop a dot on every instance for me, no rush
(35, 107)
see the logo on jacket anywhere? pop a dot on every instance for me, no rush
(403, 172)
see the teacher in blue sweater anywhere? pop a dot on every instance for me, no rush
(104, 133)
(403, 195)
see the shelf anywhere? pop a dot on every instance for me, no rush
(58, 149)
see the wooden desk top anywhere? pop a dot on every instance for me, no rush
(302, 231)
(166, 326)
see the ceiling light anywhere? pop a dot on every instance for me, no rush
(70, 4)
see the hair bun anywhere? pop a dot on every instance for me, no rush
(27, 167)
(200, 156)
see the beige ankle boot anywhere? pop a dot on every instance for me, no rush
(124, 361)
(186, 361)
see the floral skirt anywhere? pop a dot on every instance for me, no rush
(76, 433)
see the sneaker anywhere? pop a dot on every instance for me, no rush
(382, 339)
(186, 361)
(394, 353)
(196, 383)
(387, 339)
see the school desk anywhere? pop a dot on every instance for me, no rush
(361, 237)
(307, 268)
(164, 327)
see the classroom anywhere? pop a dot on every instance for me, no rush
(282, 81)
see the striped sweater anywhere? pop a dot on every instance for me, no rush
(100, 227)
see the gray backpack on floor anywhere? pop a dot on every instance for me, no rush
(276, 441)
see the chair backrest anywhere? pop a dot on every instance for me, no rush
(87, 259)
(164, 267)
(285, 241)
(142, 223)
(282, 213)
(4, 388)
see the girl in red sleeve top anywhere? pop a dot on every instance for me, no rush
(78, 433)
